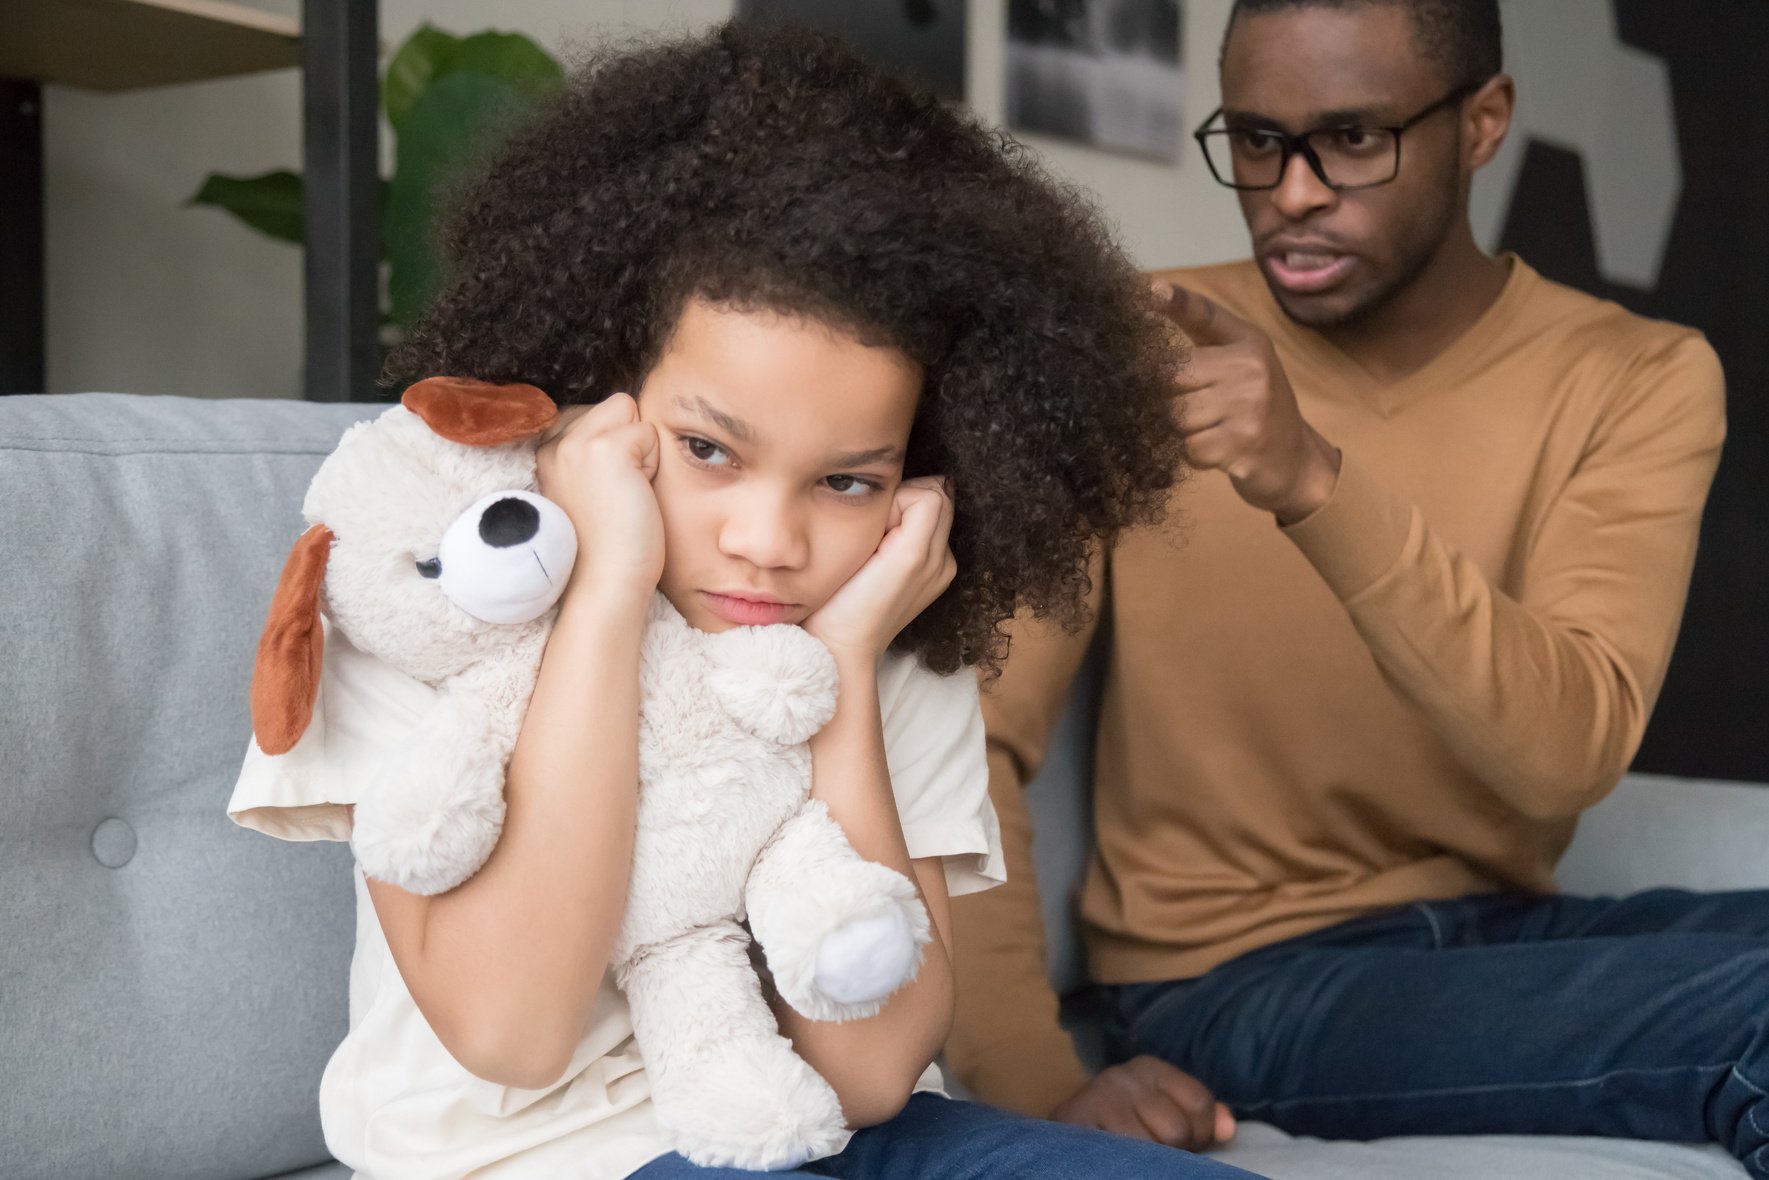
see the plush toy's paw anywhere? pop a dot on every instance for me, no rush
(855, 939)
(776, 682)
(867, 959)
(753, 1104)
(422, 849)
(809, 887)
(432, 817)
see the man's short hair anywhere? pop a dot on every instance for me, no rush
(1462, 36)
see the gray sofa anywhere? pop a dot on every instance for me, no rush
(170, 986)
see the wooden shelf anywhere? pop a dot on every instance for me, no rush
(123, 44)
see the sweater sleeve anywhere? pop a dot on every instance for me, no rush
(1006, 1045)
(1543, 695)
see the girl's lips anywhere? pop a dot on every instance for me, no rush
(1305, 272)
(746, 612)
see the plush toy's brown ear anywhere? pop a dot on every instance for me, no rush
(286, 678)
(478, 413)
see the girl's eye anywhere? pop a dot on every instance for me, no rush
(850, 486)
(709, 454)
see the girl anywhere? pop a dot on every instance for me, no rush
(799, 312)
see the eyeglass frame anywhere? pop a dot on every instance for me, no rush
(1292, 145)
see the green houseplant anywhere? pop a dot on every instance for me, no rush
(444, 97)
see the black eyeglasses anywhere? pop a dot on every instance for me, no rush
(1253, 159)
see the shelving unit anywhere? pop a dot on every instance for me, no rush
(116, 45)
(125, 44)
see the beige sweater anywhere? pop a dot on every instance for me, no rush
(1410, 694)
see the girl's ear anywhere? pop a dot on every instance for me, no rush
(285, 680)
(478, 413)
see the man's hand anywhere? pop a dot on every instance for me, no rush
(1146, 1098)
(1238, 413)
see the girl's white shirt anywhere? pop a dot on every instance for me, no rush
(393, 1104)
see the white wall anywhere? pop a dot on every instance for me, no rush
(148, 296)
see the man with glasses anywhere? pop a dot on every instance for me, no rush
(1349, 724)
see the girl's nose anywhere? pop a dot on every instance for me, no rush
(764, 529)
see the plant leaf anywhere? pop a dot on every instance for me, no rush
(447, 130)
(417, 63)
(511, 58)
(270, 204)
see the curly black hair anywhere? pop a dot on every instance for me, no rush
(771, 168)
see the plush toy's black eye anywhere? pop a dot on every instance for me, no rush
(431, 568)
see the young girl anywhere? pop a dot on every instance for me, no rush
(835, 357)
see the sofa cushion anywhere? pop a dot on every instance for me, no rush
(172, 985)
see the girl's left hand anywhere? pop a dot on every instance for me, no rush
(911, 567)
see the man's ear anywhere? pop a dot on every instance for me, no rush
(285, 680)
(478, 413)
(1489, 115)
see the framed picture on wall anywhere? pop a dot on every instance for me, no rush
(1106, 73)
(923, 38)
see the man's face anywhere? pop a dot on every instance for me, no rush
(1332, 257)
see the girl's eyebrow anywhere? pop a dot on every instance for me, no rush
(867, 458)
(735, 427)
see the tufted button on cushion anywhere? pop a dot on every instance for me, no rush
(113, 843)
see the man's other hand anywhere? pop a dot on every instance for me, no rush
(1146, 1098)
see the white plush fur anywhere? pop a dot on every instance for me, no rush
(429, 814)
(726, 828)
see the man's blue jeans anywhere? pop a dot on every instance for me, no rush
(938, 1138)
(1644, 1017)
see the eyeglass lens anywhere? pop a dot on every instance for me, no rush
(1350, 156)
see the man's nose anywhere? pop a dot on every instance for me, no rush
(765, 529)
(1300, 192)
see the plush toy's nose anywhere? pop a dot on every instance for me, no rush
(508, 522)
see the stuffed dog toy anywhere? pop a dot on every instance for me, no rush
(431, 549)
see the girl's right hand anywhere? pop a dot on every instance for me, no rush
(597, 463)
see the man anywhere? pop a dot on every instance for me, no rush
(1424, 602)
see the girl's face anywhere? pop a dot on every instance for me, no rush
(782, 449)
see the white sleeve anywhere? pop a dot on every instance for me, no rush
(363, 707)
(933, 734)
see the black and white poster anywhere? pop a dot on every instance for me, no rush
(1106, 73)
(922, 38)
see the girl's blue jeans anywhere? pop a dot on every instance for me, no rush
(1643, 1016)
(938, 1138)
